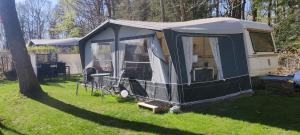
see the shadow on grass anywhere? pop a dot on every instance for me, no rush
(9, 129)
(72, 78)
(267, 109)
(106, 120)
(52, 84)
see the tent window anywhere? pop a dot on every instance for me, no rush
(262, 41)
(202, 59)
(102, 56)
(136, 59)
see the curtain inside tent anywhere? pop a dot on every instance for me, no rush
(188, 53)
(113, 58)
(121, 57)
(95, 51)
(156, 57)
(214, 45)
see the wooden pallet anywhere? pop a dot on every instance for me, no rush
(155, 106)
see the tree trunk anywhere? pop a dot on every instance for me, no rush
(162, 10)
(270, 12)
(254, 10)
(277, 17)
(129, 9)
(176, 10)
(113, 9)
(236, 9)
(28, 82)
(243, 9)
(217, 8)
(108, 7)
(182, 10)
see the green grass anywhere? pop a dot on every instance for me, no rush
(64, 113)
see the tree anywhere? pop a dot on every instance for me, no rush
(254, 10)
(162, 11)
(192, 9)
(86, 14)
(28, 82)
(34, 16)
(142, 10)
(64, 23)
(234, 8)
(287, 27)
(269, 12)
(217, 8)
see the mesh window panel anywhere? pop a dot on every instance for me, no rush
(102, 57)
(136, 59)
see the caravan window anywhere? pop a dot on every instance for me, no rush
(202, 58)
(262, 41)
(102, 56)
(136, 59)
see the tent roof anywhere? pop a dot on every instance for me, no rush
(54, 42)
(219, 25)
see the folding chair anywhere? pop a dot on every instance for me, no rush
(115, 88)
(87, 78)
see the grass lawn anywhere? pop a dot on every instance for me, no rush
(64, 113)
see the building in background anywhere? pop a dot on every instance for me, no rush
(51, 57)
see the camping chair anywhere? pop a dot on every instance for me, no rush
(87, 78)
(115, 88)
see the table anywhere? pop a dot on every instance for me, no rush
(100, 74)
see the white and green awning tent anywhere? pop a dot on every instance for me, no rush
(175, 62)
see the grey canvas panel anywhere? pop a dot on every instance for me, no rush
(146, 89)
(228, 57)
(157, 91)
(183, 93)
(116, 30)
(233, 55)
(173, 90)
(245, 83)
(202, 91)
(102, 40)
(82, 54)
(175, 47)
(137, 37)
(175, 97)
(240, 53)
